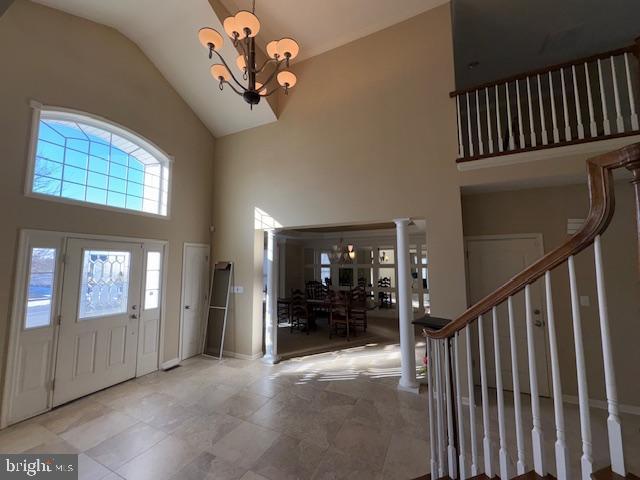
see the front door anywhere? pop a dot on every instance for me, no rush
(195, 292)
(491, 262)
(98, 337)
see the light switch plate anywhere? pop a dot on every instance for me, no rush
(237, 289)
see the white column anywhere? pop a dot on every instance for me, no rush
(271, 314)
(405, 310)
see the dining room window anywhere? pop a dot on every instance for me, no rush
(77, 158)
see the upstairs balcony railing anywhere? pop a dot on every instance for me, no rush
(586, 100)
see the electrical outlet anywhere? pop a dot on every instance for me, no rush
(585, 301)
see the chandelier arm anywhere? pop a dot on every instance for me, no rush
(230, 72)
(272, 91)
(244, 51)
(273, 74)
(267, 62)
(233, 88)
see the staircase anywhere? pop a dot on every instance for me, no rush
(463, 440)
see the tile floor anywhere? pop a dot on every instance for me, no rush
(329, 416)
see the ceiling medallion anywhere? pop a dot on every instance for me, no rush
(242, 28)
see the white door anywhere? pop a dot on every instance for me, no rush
(100, 306)
(195, 291)
(491, 262)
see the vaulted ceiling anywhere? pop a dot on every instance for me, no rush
(166, 31)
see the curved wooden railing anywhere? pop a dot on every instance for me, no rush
(449, 455)
(602, 206)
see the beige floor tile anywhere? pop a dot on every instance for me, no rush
(245, 444)
(203, 431)
(252, 476)
(339, 466)
(95, 431)
(241, 405)
(72, 415)
(89, 469)
(55, 446)
(160, 461)
(289, 459)
(119, 449)
(362, 441)
(406, 458)
(209, 467)
(24, 436)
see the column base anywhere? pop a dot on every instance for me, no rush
(412, 387)
(270, 359)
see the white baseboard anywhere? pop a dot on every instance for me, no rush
(170, 364)
(241, 356)
(601, 404)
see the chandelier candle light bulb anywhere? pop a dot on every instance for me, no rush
(242, 28)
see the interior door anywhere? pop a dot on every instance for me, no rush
(490, 263)
(195, 293)
(98, 337)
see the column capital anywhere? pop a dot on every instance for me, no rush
(402, 221)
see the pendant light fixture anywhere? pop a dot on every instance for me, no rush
(242, 28)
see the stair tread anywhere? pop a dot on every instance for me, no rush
(607, 474)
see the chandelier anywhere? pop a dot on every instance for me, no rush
(342, 253)
(242, 28)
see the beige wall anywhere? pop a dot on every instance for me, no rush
(62, 60)
(379, 105)
(545, 211)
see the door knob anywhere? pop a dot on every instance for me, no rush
(538, 323)
(536, 312)
(133, 316)
(187, 307)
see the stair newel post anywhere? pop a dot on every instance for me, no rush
(634, 168)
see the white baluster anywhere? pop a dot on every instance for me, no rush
(472, 406)
(616, 97)
(520, 127)
(517, 403)
(565, 108)
(537, 438)
(486, 439)
(503, 455)
(543, 122)
(554, 117)
(614, 424)
(451, 449)
(439, 410)
(460, 144)
(531, 124)
(432, 435)
(469, 127)
(512, 141)
(583, 390)
(498, 122)
(460, 417)
(562, 452)
(603, 99)
(632, 101)
(489, 133)
(577, 100)
(593, 128)
(480, 142)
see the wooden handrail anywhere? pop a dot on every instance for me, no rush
(545, 70)
(602, 205)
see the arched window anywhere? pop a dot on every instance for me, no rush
(80, 158)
